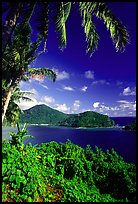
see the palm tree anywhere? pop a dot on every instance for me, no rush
(59, 12)
(19, 53)
(13, 111)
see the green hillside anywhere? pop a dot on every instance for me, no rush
(88, 119)
(42, 114)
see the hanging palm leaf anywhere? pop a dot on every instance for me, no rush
(89, 29)
(43, 21)
(60, 20)
(41, 73)
(27, 11)
(118, 32)
(13, 111)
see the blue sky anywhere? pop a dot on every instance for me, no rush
(105, 83)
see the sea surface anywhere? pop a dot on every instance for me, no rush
(123, 142)
(123, 120)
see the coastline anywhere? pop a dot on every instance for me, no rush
(58, 126)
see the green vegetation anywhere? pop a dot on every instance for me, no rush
(88, 119)
(131, 126)
(13, 110)
(22, 11)
(18, 55)
(52, 171)
(64, 172)
(42, 114)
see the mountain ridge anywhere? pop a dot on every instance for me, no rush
(43, 114)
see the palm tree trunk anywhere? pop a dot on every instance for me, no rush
(5, 106)
(10, 23)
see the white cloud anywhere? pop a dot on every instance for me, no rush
(89, 74)
(24, 104)
(48, 99)
(68, 88)
(129, 91)
(84, 88)
(96, 104)
(76, 105)
(63, 108)
(103, 107)
(70, 110)
(61, 75)
(24, 83)
(28, 104)
(134, 106)
(122, 109)
(102, 82)
(127, 105)
(44, 86)
(123, 101)
(34, 91)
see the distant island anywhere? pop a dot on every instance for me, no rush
(131, 126)
(42, 114)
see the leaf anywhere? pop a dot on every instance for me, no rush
(89, 29)
(23, 180)
(118, 32)
(29, 199)
(42, 72)
(12, 178)
(60, 19)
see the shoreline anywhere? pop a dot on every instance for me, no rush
(50, 125)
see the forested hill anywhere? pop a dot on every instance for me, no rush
(42, 114)
(88, 119)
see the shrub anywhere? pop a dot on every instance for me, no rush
(65, 172)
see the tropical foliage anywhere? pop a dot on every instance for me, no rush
(64, 172)
(60, 12)
(13, 112)
(19, 53)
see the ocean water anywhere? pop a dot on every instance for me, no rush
(122, 121)
(123, 142)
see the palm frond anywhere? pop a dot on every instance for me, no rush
(17, 96)
(89, 28)
(24, 98)
(42, 72)
(60, 19)
(31, 54)
(13, 113)
(27, 11)
(118, 31)
(24, 77)
(43, 21)
(16, 55)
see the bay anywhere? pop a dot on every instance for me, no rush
(123, 142)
